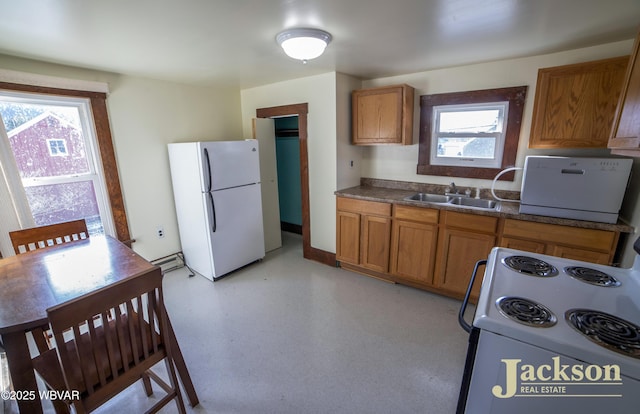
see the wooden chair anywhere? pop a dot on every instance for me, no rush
(97, 359)
(46, 236)
(43, 237)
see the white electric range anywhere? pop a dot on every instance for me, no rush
(553, 334)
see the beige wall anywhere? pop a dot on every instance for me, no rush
(320, 93)
(399, 163)
(145, 115)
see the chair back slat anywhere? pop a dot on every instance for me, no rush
(131, 322)
(98, 345)
(155, 301)
(110, 340)
(46, 236)
(144, 328)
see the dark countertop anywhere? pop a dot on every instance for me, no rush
(395, 193)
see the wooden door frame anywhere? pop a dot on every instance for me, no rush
(301, 110)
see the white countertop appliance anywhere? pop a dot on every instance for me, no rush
(217, 192)
(575, 188)
(552, 335)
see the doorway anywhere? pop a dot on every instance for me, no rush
(301, 111)
(288, 168)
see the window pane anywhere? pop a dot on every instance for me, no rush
(471, 121)
(469, 147)
(46, 140)
(51, 141)
(57, 203)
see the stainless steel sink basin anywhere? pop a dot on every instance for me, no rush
(429, 198)
(454, 201)
(474, 202)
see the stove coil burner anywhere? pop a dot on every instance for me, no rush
(592, 276)
(606, 330)
(526, 312)
(530, 266)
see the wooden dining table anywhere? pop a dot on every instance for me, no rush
(32, 282)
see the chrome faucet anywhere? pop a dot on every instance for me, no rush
(452, 190)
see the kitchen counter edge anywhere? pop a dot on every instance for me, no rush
(504, 210)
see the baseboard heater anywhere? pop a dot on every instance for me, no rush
(169, 263)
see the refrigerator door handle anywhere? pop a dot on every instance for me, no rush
(209, 183)
(213, 213)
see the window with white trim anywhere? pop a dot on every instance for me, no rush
(15, 211)
(469, 135)
(53, 142)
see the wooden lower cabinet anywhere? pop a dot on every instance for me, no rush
(363, 233)
(413, 244)
(437, 250)
(589, 245)
(464, 239)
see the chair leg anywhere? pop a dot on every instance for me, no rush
(146, 382)
(173, 380)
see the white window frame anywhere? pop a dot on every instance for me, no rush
(462, 161)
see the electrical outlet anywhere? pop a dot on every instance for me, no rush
(160, 232)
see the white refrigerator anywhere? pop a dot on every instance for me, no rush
(216, 187)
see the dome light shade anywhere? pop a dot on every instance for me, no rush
(303, 44)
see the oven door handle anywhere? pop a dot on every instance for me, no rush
(465, 301)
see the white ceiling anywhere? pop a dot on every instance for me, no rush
(232, 42)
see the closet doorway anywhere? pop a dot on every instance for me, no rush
(301, 111)
(288, 167)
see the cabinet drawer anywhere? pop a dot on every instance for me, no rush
(587, 238)
(363, 206)
(424, 215)
(471, 222)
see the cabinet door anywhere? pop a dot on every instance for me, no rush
(413, 249)
(459, 252)
(383, 115)
(575, 104)
(578, 254)
(625, 134)
(348, 237)
(376, 234)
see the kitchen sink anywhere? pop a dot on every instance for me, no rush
(474, 202)
(429, 198)
(454, 201)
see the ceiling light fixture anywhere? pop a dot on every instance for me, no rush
(303, 44)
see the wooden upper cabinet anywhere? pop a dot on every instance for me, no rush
(575, 104)
(383, 115)
(625, 133)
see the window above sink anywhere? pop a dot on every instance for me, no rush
(466, 134)
(470, 134)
